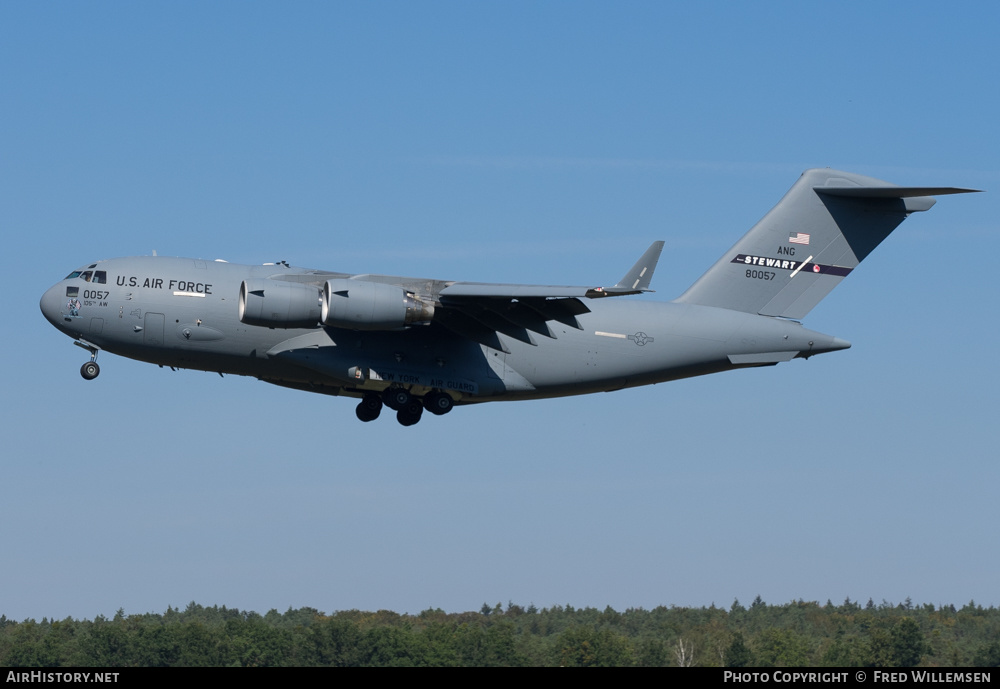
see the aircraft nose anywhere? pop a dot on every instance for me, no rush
(50, 303)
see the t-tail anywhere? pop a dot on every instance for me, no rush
(826, 224)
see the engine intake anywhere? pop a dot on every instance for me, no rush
(364, 305)
(279, 304)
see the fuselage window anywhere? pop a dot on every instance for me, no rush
(72, 291)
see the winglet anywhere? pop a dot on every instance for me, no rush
(637, 279)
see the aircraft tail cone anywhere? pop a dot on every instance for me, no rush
(839, 344)
(835, 344)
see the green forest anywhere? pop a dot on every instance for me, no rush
(796, 634)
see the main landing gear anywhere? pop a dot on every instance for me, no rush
(408, 407)
(89, 370)
(369, 407)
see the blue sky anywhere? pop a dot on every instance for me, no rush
(514, 142)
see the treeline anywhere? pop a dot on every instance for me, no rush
(796, 634)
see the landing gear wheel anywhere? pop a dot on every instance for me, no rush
(90, 370)
(438, 403)
(396, 398)
(365, 414)
(410, 414)
(369, 407)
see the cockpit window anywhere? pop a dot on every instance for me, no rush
(74, 274)
(87, 274)
(100, 277)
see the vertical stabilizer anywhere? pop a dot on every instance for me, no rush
(826, 224)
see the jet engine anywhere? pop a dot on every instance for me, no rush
(279, 304)
(364, 305)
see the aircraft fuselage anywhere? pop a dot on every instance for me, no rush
(184, 313)
(414, 344)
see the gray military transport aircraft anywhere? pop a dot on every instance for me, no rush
(413, 344)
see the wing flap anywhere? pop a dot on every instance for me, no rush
(635, 281)
(483, 290)
(482, 310)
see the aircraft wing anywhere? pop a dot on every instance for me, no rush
(486, 290)
(636, 281)
(474, 310)
(480, 310)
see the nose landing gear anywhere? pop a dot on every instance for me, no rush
(89, 370)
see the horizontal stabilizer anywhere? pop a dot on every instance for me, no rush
(892, 192)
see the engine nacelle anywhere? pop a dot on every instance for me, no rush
(364, 305)
(279, 304)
